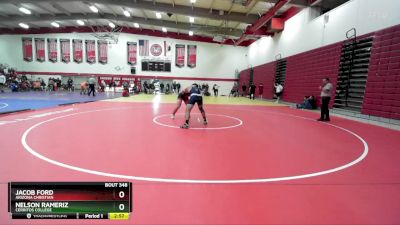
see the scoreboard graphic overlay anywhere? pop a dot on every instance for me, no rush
(70, 200)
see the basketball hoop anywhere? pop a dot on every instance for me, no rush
(105, 33)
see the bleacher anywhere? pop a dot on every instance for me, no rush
(373, 87)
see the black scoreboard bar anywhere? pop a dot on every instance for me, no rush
(70, 200)
(156, 65)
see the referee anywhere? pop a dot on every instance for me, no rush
(92, 83)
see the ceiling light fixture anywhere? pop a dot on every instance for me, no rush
(190, 33)
(80, 22)
(164, 29)
(126, 13)
(111, 24)
(54, 24)
(25, 10)
(191, 19)
(158, 15)
(94, 9)
(136, 25)
(23, 25)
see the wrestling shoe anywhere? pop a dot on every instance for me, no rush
(205, 122)
(172, 116)
(185, 126)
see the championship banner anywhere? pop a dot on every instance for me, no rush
(180, 55)
(103, 51)
(132, 53)
(40, 49)
(77, 49)
(65, 46)
(192, 55)
(90, 51)
(27, 49)
(52, 49)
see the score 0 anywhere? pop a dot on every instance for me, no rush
(121, 195)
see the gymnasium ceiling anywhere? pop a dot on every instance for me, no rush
(212, 18)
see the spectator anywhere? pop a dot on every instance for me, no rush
(125, 85)
(309, 103)
(162, 87)
(111, 85)
(168, 88)
(178, 87)
(55, 85)
(174, 87)
(50, 86)
(244, 89)
(207, 89)
(70, 84)
(260, 90)
(252, 90)
(326, 92)
(215, 89)
(234, 90)
(278, 91)
(14, 87)
(37, 86)
(2, 82)
(145, 87)
(102, 85)
(58, 83)
(43, 84)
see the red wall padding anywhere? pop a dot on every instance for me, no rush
(264, 74)
(382, 95)
(305, 72)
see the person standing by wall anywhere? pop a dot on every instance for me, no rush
(278, 91)
(215, 89)
(260, 90)
(103, 85)
(167, 89)
(70, 84)
(178, 87)
(252, 90)
(326, 92)
(92, 83)
(244, 88)
(174, 87)
(2, 82)
(162, 87)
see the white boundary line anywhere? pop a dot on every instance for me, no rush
(5, 105)
(200, 128)
(151, 179)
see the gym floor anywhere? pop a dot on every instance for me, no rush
(256, 162)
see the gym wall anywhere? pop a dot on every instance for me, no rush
(214, 62)
(305, 72)
(304, 32)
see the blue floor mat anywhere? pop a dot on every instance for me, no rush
(13, 102)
